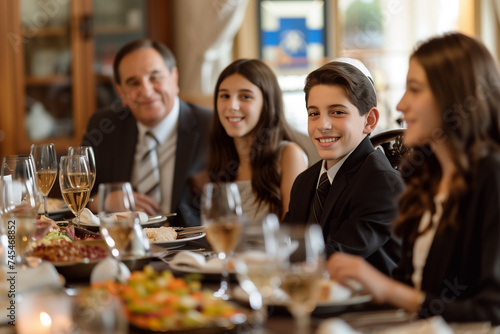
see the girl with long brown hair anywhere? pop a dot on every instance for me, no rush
(449, 217)
(250, 142)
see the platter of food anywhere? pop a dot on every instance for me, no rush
(75, 251)
(174, 305)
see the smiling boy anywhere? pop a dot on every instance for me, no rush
(360, 188)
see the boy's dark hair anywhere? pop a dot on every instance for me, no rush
(359, 89)
(165, 53)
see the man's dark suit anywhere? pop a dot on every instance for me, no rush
(113, 135)
(461, 276)
(359, 208)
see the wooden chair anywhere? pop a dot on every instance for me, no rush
(391, 143)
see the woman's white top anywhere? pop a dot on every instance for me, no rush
(424, 241)
(249, 203)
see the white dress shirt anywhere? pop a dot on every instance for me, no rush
(166, 134)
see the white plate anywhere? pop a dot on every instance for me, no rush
(157, 222)
(184, 268)
(321, 307)
(154, 222)
(179, 242)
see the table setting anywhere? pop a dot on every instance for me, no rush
(134, 273)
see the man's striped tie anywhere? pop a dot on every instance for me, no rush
(149, 173)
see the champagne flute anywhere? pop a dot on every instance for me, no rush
(87, 151)
(74, 179)
(45, 159)
(222, 215)
(20, 202)
(117, 218)
(302, 262)
(256, 264)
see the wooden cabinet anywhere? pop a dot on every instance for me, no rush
(56, 63)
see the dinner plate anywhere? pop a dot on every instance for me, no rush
(153, 222)
(322, 307)
(178, 242)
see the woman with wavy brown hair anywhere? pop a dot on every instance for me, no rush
(450, 212)
(250, 142)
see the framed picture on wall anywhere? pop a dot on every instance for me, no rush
(292, 33)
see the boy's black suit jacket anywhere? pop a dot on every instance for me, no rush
(359, 209)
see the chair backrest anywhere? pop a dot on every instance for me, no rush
(391, 143)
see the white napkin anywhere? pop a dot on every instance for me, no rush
(34, 278)
(88, 217)
(107, 269)
(197, 261)
(143, 217)
(335, 326)
(434, 325)
(332, 291)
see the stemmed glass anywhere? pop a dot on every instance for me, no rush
(117, 218)
(222, 216)
(302, 263)
(256, 263)
(20, 202)
(45, 159)
(87, 151)
(74, 179)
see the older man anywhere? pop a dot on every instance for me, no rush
(156, 141)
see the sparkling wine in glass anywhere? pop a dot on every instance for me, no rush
(20, 202)
(87, 151)
(117, 218)
(256, 263)
(301, 264)
(74, 179)
(222, 216)
(45, 159)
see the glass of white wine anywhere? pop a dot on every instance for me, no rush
(87, 151)
(20, 202)
(222, 215)
(256, 262)
(45, 159)
(74, 179)
(302, 264)
(118, 218)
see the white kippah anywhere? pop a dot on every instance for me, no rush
(359, 65)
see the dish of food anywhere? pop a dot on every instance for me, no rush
(174, 305)
(78, 271)
(180, 241)
(55, 207)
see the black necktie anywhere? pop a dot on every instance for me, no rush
(319, 198)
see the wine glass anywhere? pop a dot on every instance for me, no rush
(117, 218)
(256, 263)
(301, 264)
(74, 179)
(87, 151)
(45, 159)
(222, 216)
(20, 202)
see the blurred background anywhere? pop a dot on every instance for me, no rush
(56, 55)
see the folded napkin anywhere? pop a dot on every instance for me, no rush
(88, 217)
(335, 326)
(44, 275)
(107, 269)
(196, 261)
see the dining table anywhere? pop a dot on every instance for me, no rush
(365, 317)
